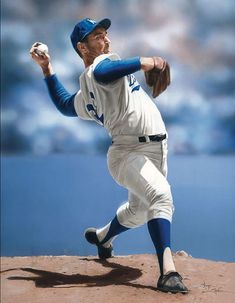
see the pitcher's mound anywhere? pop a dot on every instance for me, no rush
(122, 279)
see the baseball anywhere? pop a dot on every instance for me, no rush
(42, 49)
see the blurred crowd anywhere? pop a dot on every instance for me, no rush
(197, 38)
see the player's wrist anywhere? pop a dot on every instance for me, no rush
(47, 70)
(146, 63)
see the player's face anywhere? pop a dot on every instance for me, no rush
(97, 42)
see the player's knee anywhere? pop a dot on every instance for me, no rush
(160, 194)
(139, 212)
(133, 214)
(160, 201)
(162, 209)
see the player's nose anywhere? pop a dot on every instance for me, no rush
(107, 40)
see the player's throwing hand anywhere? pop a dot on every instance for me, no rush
(39, 53)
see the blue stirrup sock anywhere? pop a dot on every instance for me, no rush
(115, 229)
(160, 232)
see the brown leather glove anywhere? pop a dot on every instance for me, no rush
(158, 78)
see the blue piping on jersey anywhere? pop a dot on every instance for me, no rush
(90, 107)
(135, 88)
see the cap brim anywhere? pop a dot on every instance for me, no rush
(105, 23)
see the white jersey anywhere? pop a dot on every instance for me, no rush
(121, 106)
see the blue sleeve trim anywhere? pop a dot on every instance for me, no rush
(108, 71)
(63, 100)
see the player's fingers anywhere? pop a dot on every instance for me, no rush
(32, 52)
(34, 47)
(159, 62)
(38, 54)
(46, 56)
(34, 56)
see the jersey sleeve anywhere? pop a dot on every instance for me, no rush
(61, 98)
(111, 56)
(80, 106)
(109, 68)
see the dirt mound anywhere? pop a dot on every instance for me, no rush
(65, 279)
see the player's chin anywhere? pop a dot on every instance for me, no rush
(106, 50)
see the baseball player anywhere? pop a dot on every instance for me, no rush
(137, 158)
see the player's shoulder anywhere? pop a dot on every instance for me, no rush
(110, 56)
(90, 69)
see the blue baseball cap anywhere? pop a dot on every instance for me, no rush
(85, 27)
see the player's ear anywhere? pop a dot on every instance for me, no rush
(81, 48)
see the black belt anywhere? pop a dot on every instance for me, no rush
(157, 138)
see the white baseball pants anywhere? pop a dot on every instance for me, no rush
(142, 169)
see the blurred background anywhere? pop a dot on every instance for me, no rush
(39, 145)
(197, 38)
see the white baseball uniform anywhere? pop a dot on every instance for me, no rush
(127, 112)
(111, 95)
